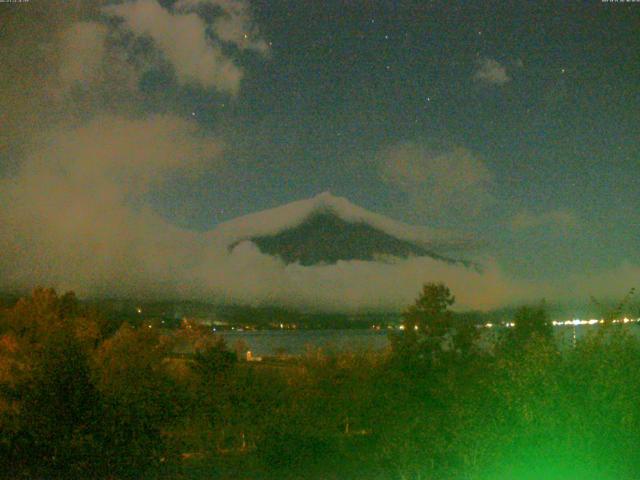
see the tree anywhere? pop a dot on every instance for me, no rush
(430, 313)
(529, 321)
(426, 324)
(46, 387)
(141, 400)
(60, 407)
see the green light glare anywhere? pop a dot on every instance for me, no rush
(550, 467)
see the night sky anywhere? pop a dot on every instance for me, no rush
(513, 122)
(558, 133)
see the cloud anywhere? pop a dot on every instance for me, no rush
(492, 72)
(182, 37)
(74, 215)
(613, 283)
(233, 25)
(74, 211)
(437, 183)
(30, 54)
(84, 48)
(606, 285)
(137, 153)
(93, 66)
(74, 206)
(560, 218)
(249, 276)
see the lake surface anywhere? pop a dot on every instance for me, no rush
(296, 342)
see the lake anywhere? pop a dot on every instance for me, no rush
(295, 342)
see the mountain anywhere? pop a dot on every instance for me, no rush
(326, 229)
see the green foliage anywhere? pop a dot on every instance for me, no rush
(213, 362)
(433, 337)
(139, 398)
(75, 403)
(425, 326)
(430, 313)
(529, 322)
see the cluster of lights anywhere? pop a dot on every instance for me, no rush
(594, 321)
(556, 323)
(576, 322)
(491, 325)
(402, 327)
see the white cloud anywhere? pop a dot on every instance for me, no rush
(90, 68)
(613, 283)
(247, 275)
(233, 25)
(74, 215)
(562, 218)
(83, 48)
(438, 184)
(182, 37)
(74, 218)
(272, 221)
(491, 71)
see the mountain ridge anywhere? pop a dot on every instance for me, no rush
(274, 220)
(326, 229)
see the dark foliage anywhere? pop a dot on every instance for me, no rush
(76, 403)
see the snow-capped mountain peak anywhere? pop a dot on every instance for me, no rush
(327, 229)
